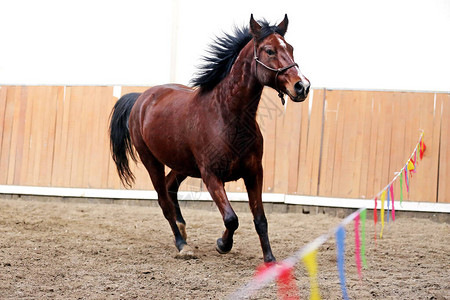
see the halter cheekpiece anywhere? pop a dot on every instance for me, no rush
(278, 71)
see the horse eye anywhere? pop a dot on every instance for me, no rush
(270, 52)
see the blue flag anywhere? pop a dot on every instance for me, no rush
(340, 244)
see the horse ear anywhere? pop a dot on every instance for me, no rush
(255, 28)
(283, 25)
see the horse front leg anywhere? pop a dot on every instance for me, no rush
(173, 182)
(253, 183)
(216, 189)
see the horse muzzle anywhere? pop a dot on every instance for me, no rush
(300, 91)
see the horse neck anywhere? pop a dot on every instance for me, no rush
(240, 91)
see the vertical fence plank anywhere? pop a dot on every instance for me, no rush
(363, 146)
(59, 149)
(7, 134)
(21, 136)
(14, 135)
(387, 111)
(427, 170)
(66, 139)
(41, 161)
(348, 188)
(338, 155)
(96, 132)
(294, 117)
(3, 93)
(443, 107)
(313, 154)
(88, 134)
(303, 181)
(282, 136)
(73, 151)
(379, 178)
(329, 143)
(48, 137)
(371, 169)
(26, 165)
(103, 143)
(399, 151)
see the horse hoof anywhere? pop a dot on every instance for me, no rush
(270, 259)
(182, 228)
(186, 253)
(220, 247)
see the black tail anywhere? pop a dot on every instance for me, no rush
(120, 138)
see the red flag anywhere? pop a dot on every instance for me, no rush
(423, 147)
(287, 288)
(375, 218)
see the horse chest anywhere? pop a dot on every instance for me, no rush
(226, 154)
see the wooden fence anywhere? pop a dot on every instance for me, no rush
(337, 143)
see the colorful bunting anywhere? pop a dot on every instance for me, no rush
(282, 272)
(310, 261)
(340, 243)
(357, 247)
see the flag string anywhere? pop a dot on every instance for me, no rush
(281, 271)
(404, 167)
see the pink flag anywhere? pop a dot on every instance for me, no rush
(407, 181)
(383, 198)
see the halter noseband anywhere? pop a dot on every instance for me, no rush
(278, 71)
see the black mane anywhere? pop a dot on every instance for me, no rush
(223, 53)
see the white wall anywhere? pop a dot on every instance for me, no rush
(353, 44)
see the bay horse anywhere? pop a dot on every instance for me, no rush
(209, 130)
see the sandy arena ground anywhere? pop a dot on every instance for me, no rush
(97, 251)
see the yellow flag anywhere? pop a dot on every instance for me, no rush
(410, 165)
(310, 261)
(383, 198)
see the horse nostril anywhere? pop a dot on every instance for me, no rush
(307, 90)
(299, 88)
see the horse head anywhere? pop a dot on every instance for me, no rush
(274, 61)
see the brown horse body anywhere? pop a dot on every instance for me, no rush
(212, 133)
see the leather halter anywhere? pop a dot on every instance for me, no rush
(278, 71)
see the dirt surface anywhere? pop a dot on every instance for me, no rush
(97, 251)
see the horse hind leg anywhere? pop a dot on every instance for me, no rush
(156, 172)
(173, 182)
